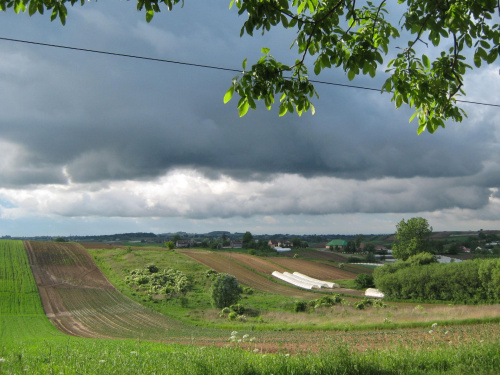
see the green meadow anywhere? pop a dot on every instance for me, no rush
(29, 344)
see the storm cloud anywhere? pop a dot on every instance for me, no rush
(102, 136)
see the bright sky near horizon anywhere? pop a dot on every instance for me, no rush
(100, 144)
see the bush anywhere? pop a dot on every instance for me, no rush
(300, 306)
(364, 281)
(237, 308)
(467, 282)
(225, 290)
(152, 268)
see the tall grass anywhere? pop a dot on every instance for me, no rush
(85, 356)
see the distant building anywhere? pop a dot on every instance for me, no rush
(236, 244)
(183, 243)
(336, 244)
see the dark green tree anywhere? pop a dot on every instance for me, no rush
(355, 37)
(412, 237)
(247, 240)
(225, 290)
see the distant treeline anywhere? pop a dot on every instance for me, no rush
(476, 281)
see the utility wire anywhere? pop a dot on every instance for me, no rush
(201, 65)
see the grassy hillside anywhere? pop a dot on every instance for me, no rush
(30, 344)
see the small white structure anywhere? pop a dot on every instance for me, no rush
(282, 249)
(374, 293)
(303, 281)
(324, 284)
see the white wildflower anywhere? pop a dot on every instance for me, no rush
(252, 339)
(102, 360)
(245, 336)
(434, 325)
(234, 333)
(431, 331)
(287, 355)
(2, 359)
(133, 352)
(256, 350)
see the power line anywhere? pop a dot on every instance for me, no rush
(201, 65)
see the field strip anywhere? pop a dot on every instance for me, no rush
(255, 263)
(246, 277)
(316, 270)
(80, 301)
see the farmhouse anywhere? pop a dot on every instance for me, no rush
(336, 244)
(236, 244)
(183, 243)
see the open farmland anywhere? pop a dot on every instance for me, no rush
(30, 344)
(313, 269)
(244, 275)
(80, 301)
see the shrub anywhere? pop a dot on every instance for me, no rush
(300, 306)
(232, 315)
(364, 281)
(225, 290)
(152, 268)
(353, 259)
(237, 308)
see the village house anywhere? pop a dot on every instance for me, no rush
(336, 244)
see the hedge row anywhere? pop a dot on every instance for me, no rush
(467, 282)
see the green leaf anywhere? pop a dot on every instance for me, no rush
(477, 60)
(399, 101)
(265, 50)
(243, 109)
(283, 109)
(149, 15)
(229, 94)
(244, 64)
(351, 74)
(426, 61)
(413, 116)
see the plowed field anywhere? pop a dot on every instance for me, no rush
(317, 270)
(221, 263)
(80, 301)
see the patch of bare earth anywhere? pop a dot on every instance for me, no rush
(245, 276)
(80, 301)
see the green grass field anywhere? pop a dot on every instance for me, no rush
(29, 344)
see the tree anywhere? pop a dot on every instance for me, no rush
(169, 245)
(357, 241)
(363, 281)
(247, 240)
(225, 290)
(354, 37)
(412, 237)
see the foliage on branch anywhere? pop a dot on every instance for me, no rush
(354, 36)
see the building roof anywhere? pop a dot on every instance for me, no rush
(337, 243)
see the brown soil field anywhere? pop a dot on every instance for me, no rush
(317, 270)
(255, 263)
(242, 265)
(221, 263)
(80, 301)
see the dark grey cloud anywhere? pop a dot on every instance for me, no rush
(94, 121)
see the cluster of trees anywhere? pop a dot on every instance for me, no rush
(420, 278)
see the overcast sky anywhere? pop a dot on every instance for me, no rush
(99, 144)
